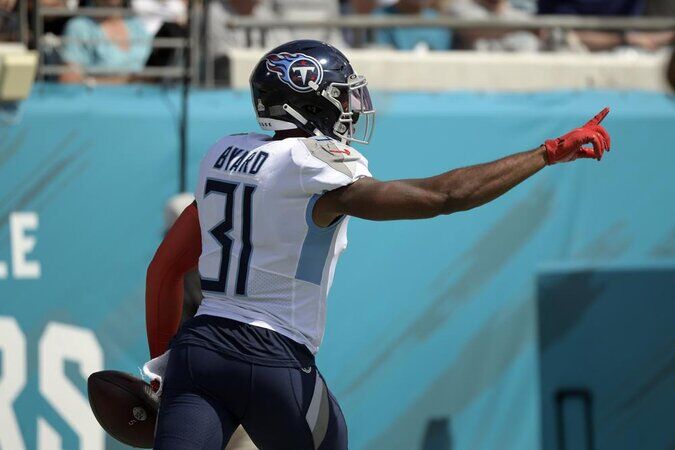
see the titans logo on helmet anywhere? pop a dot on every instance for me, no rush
(296, 70)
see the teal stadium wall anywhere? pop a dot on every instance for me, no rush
(429, 322)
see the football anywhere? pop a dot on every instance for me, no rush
(125, 406)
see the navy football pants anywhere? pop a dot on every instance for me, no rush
(206, 395)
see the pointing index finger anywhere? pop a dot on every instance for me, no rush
(598, 117)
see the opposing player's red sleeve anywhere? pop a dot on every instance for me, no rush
(178, 253)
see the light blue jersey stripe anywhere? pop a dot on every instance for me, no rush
(315, 247)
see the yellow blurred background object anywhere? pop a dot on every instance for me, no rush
(17, 71)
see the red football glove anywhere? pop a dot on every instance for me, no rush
(571, 146)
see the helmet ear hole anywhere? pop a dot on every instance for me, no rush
(312, 109)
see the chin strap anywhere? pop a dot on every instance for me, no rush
(299, 117)
(293, 113)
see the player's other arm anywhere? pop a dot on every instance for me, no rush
(459, 189)
(177, 254)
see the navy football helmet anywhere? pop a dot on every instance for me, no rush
(310, 85)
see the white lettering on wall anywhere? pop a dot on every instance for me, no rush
(22, 243)
(12, 381)
(59, 343)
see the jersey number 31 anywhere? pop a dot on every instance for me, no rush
(221, 233)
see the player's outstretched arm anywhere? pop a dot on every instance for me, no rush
(459, 189)
(453, 191)
(178, 253)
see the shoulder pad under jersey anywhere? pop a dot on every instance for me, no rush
(333, 153)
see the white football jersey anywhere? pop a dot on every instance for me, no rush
(264, 262)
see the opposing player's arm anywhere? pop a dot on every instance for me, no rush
(177, 254)
(459, 189)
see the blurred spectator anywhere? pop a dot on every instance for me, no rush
(590, 39)
(155, 13)
(113, 47)
(358, 37)
(592, 7)
(494, 40)
(162, 19)
(310, 9)
(529, 6)
(222, 39)
(53, 24)
(359, 6)
(9, 20)
(656, 8)
(52, 28)
(7, 5)
(650, 41)
(607, 40)
(660, 8)
(413, 38)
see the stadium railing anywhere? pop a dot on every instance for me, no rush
(242, 60)
(201, 59)
(455, 23)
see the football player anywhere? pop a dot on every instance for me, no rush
(266, 230)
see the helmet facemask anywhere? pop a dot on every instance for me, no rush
(353, 101)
